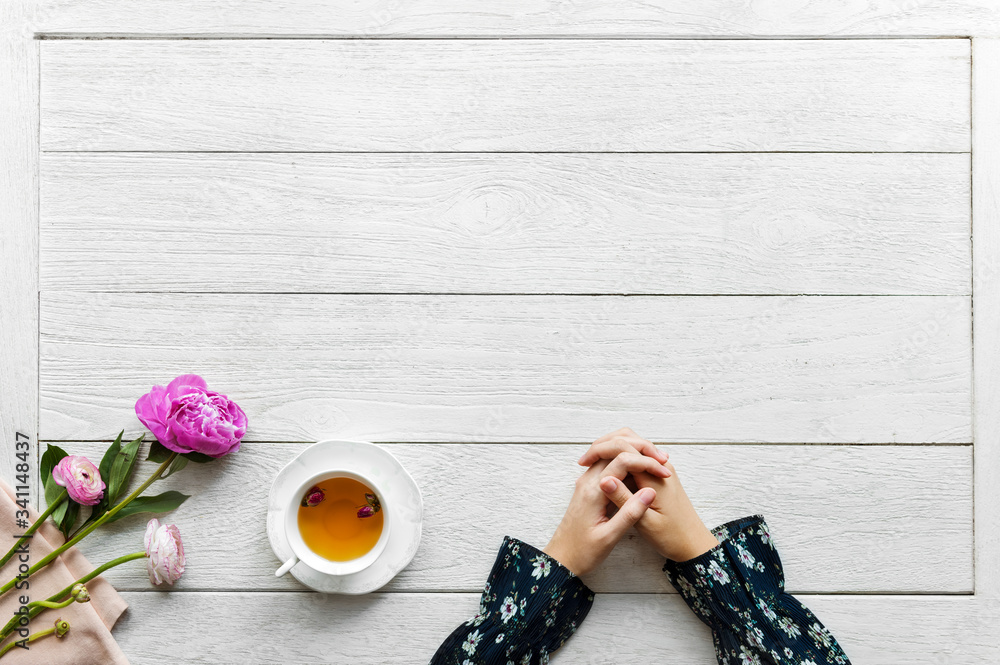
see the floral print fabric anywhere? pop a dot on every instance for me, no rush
(530, 606)
(737, 588)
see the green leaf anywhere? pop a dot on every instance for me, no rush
(199, 458)
(50, 458)
(68, 518)
(105, 468)
(179, 463)
(151, 504)
(158, 453)
(109, 458)
(60, 512)
(121, 469)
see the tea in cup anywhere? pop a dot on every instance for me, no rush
(337, 522)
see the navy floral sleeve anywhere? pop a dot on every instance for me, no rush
(738, 589)
(530, 606)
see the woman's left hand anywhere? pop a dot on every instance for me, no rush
(586, 535)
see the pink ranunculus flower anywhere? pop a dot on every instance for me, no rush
(164, 552)
(81, 479)
(187, 417)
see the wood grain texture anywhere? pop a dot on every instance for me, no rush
(293, 627)
(986, 235)
(520, 95)
(519, 18)
(501, 223)
(18, 240)
(500, 368)
(902, 521)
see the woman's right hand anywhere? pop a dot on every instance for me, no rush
(587, 533)
(671, 524)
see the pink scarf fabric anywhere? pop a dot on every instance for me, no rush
(89, 640)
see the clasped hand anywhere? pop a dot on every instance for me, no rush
(628, 482)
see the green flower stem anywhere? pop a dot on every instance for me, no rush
(37, 607)
(51, 605)
(33, 637)
(34, 527)
(47, 559)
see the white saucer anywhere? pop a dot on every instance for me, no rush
(402, 494)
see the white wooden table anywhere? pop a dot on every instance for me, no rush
(374, 220)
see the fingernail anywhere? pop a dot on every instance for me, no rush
(646, 495)
(609, 484)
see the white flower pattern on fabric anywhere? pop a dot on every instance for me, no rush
(686, 588)
(748, 657)
(543, 566)
(820, 635)
(745, 557)
(766, 609)
(717, 573)
(479, 618)
(471, 642)
(789, 626)
(508, 609)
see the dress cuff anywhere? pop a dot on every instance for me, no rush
(527, 584)
(738, 589)
(746, 540)
(531, 604)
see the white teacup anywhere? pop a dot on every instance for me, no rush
(301, 551)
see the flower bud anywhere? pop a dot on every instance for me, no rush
(62, 627)
(365, 511)
(80, 593)
(313, 497)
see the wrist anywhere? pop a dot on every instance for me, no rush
(689, 544)
(563, 557)
(680, 540)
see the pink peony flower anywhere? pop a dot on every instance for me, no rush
(164, 552)
(188, 417)
(81, 479)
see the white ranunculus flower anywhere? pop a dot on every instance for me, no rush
(164, 552)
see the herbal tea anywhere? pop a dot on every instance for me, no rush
(340, 519)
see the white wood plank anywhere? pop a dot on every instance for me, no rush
(518, 18)
(387, 629)
(501, 223)
(902, 520)
(18, 241)
(540, 368)
(495, 95)
(500, 368)
(986, 235)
